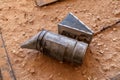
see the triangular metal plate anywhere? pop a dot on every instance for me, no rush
(72, 27)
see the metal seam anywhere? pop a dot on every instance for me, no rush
(40, 42)
(74, 51)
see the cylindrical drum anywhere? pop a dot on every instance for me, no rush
(61, 47)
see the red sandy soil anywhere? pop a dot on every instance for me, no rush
(21, 19)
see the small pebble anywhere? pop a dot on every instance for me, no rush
(114, 29)
(32, 71)
(15, 39)
(68, 7)
(90, 14)
(84, 72)
(105, 68)
(13, 51)
(51, 76)
(100, 44)
(89, 78)
(22, 55)
(98, 18)
(23, 64)
(97, 60)
(52, 19)
(44, 15)
(116, 12)
(57, 11)
(114, 39)
(75, 11)
(24, 34)
(113, 66)
(95, 25)
(84, 10)
(117, 49)
(95, 79)
(100, 35)
(104, 46)
(0, 9)
(101, 51)
(106, 49)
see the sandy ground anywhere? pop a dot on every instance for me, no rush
(21, 19)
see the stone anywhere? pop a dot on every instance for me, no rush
(32, 70)
(22, 55)
(101, 51)
(117, 49)
(84, 72)
(23, 33)
(98, 18)
(106, 48)
(116, 12)
(114, 39)
(50, 77)
(23, 64)
(95, 25)
(75, 11)
(13, 51)
(114, 29)
(100, 43)
(57, 11)
(106, 68)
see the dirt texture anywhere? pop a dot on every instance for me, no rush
(21, 19)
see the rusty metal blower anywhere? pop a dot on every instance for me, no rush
(69, 45)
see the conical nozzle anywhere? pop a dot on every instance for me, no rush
(31, 43)
(34, 42)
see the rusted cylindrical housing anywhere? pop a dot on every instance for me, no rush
(61, 47)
